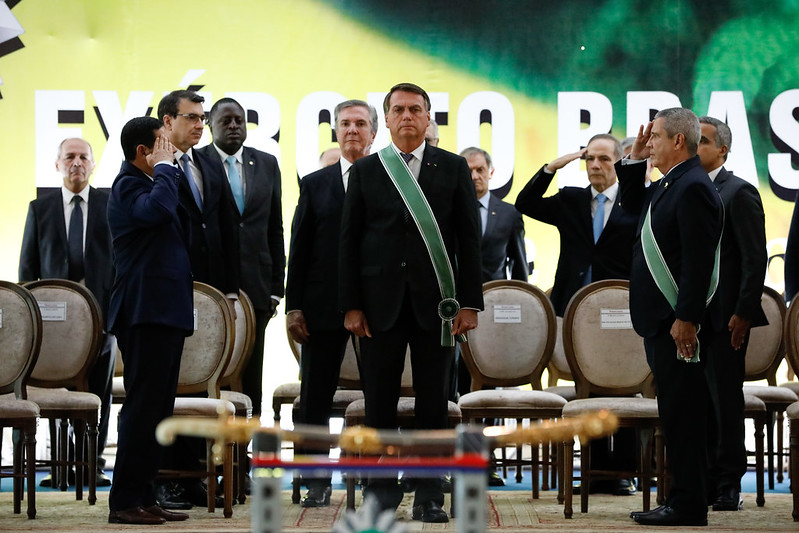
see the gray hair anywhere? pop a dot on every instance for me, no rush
(680, 120)
(608, 137)
(356, 103)
(473, 150)
(723, 133)
(61, 146)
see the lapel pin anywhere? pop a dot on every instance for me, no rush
(251, 162)
(666, 185)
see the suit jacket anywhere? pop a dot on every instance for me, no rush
(44, 252)
(502, 245)
(262, 261)
(383, 259)
(214, 249)
(570, 211)
(686, 220)
(743, 252)
(151, 233)
(312, 283)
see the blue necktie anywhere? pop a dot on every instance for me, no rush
(75, 241)
(192, 185)
(406, 157)
(235, 182)
(599, 216)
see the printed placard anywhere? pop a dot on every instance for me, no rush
(53, 311)
(508, 314)
(615, 319)
(195, 320)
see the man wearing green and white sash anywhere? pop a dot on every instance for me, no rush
(674, 276)
(410, 275)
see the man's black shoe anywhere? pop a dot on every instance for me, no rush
(495, 480)
(47, 481)
(197, 493)
(317, 497)
(624, 487)
(134, 515)
(102, 479)
(170, 496)
(430, 512)
(669, 516)
(728, 500)
(169, 516)
(635, 514)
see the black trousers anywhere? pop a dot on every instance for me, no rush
(253, 376)
(151, 354)
(725, 369)
(682, 395)
(382, 363)
(320, 366)
(101, 380)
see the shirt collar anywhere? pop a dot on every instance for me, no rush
(610, 193)
(67, 195)
(484, 200)
(714, 173)
(417, 152)
(239, 155)
(345, 165)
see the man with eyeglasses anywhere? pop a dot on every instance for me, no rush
(213, 250)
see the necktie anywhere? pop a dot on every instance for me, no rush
(406, 215)
(480, 215)
(192, 185)
(406, 157)
(599, 216)
(75, 241)
(235, 182)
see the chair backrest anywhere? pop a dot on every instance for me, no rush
(243, 344)
(20, 337)
(72, 334)
(766, 343)
(514, 338)
(558, 366)
(208, 350)
(605, 354)
(349, 375)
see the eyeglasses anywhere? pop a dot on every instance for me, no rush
(192, 117)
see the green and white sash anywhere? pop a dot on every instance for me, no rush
(660, 272)
(422, 215)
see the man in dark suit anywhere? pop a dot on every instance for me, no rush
(737, 304)
(150, 311)
(312, 287)
(254, 180)
(589, 250)
(671, 283)
(214, 252)
(66, 236)
(390, 288)
(595, 244)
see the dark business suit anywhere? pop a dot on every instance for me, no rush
(741, 275)
(386, 271)
(570, 211)
(312, 287)
(214, 249)
(151, 314)
(262, 260)
(686, 217)
(44, 255)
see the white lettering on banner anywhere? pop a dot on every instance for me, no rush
(267, 109)
(786, 128)
(640, 105)
(508, 314)
(572, 136)
(307, 146)
(49, 134)
(383, 136)
(503, 131)
(53, 311)
(775, 249)
(729, 107)
(615, 319)
(110, 110)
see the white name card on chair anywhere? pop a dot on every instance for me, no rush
(615, 319)
(195, 319)
(53, 311)
(508, 314)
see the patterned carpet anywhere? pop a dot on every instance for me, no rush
(508, 511)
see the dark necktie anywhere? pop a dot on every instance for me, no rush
(192, 185)
(75, 240)
(406, 215)
(406, 157)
